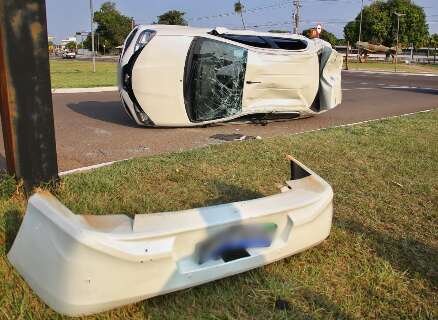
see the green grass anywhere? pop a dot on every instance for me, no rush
(387, 66)
(380, 261)
(79, 74)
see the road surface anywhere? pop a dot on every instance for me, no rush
(92, 128)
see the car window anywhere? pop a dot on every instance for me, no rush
(130, 38)
(253, 41)
(287, 43)
(214, 77)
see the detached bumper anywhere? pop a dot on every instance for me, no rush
(81, 265)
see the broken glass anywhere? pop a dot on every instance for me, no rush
(217, 73)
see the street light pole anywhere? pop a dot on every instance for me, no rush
(92, 35)
(360, 32)
(398, 29)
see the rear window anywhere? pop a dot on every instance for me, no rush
(214, 78)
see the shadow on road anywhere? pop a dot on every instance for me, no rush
(110, 111)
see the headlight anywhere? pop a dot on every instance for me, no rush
(144, 38)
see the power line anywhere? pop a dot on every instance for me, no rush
(229, 14)
(251, 10)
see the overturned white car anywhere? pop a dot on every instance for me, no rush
(182, 76)
(82, 264)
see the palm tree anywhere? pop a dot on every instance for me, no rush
(238, 8)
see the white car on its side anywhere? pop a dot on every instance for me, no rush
(183, 76)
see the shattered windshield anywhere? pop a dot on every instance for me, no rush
(214, 78)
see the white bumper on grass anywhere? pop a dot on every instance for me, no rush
(81, 264)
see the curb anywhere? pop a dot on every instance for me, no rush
(105, 164)
(84, 90)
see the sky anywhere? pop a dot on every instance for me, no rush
(65, 17)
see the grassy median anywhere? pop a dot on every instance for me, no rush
(79, 74)
(379, 262)
(389, 66)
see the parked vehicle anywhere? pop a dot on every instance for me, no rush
(69, 55)
(183, 76)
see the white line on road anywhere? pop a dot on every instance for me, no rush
(348, 89)
(84, 90)
(95, 166)
(367, 121)
(410, 87)
(377, 72)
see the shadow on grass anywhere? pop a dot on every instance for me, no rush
(110, 111)
(404, 254)
(226, 193)
(12, 221)
(319, 303)
(2, 163)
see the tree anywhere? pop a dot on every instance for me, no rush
(173, 17)
(434, 44)
(71, 46)
(379, 24)
(112, 26)
(324, 35)
(351, 32)
(238, 9)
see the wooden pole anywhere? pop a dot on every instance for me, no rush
(25, 91)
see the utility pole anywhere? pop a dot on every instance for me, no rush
(360, 33)
(92, 34)
(346, 55)
(132, 23)
(296, 16)
(398, 29)
(25, 93)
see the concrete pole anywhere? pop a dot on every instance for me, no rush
(346, 55)
(296, 17)
(92, 34)
(398, 29)
(360, 33)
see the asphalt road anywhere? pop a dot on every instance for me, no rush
(92, 128)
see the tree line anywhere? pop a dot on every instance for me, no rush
(379, 25)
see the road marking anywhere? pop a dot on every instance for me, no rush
(100, 165)
(366, 121)
(410, 87)
(84, 90)
(348, 89)
(88, 168)
(377, 72)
